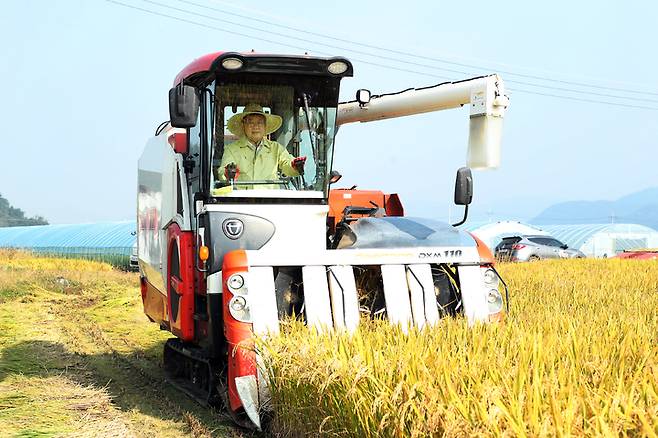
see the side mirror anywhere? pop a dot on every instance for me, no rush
(363, 96)
(565, 246)
(463, 191)
(334, 176)
(464, 187)
(183, 106)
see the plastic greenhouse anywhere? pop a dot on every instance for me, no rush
(604, 240)
(110, 242)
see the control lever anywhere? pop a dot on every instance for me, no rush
(231, 172)
(298, 164)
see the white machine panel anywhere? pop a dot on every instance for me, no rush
(316, 297)
(247, 388)
(337, 305)
(214, 283)
(423, 298)
(473, 294)
(360, 257)
(311, 223)
(344, 297)
(262, 300)
(396, 294)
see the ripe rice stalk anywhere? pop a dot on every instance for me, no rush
(578, 355)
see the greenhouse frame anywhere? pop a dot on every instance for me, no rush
(604, 240)
(110, 242)
(594, 240)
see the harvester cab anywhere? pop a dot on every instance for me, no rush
(235, 235)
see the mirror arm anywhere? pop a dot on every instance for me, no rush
(334, 177)
(465, 216)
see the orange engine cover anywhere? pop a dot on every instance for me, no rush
(341, 198)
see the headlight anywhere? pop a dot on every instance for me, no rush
(232, 63)
(490, 277)
(238, 304)
(236, 283)
(494, 301)
(239, 308)
(337, 68)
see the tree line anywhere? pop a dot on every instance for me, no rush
(15, 217)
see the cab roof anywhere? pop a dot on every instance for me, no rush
(200, 65)
(261, 63)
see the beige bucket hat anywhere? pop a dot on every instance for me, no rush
(272, 121)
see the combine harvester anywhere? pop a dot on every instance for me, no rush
(224, 259)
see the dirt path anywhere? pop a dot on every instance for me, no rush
(78, 358)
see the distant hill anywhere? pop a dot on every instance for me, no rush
(637, 208)
(14, 217)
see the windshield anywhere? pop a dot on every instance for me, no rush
(277, 137)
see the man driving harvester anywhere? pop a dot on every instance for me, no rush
(253, 157)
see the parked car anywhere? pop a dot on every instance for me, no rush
(639, 254)
(531, 248)
(134, 263)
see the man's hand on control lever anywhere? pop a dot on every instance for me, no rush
(231, 172)
(298, 164)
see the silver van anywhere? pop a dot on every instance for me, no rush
(531, 248)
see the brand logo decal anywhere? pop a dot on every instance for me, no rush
(233, 228)
(440, 254)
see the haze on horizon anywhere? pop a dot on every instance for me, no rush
(86, 82)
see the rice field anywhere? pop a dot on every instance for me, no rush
(578, 355)
(78, 357)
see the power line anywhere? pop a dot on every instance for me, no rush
(578, 99)
(269, 32)
(428, 58)
(512, 81)
(387, 58)
(207, 26)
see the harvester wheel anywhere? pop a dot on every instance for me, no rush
(188, 369)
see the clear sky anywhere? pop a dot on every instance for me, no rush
(85, 84)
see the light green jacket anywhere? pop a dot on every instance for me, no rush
(262, 164)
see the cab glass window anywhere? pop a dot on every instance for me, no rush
(305, 128)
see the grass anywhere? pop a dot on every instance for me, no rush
(578, 355)
(79, 358)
